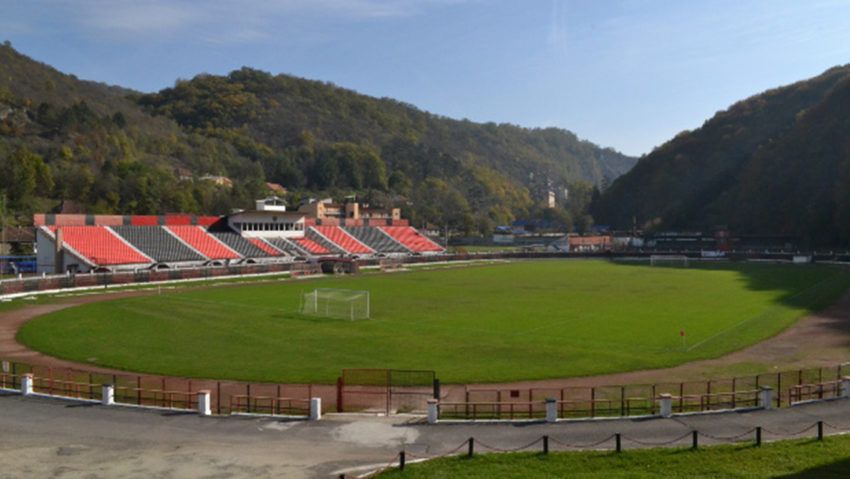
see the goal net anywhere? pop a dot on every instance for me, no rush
(668, 260)
(336, 303)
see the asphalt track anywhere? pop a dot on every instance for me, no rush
(46, 437)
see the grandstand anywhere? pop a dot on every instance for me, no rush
(84, 243)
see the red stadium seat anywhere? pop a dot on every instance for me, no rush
(100, 246)
(409, 237)
(311, 245)
(199, 239)
(342, 239)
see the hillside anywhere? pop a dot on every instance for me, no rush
(111, 150)
(777, 163)
(314, 135)
(87, 146)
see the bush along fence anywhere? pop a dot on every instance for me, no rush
(616, 442)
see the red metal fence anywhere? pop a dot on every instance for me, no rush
(389, 391)
(641, 399)
(814, 392)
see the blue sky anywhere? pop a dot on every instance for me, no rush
(621, 73)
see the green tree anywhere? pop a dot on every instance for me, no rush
(25, 174)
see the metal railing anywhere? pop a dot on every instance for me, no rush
(269, 405)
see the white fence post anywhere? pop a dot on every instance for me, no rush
(766, 397)
(551, 410)
(845, 387)
(433, 411)
(27, 384)
(315, 409)
(666, 405)
(107, 394)
(204, 403)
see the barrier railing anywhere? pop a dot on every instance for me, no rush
(810, 392)
(269, 405)
(718, 401)
(635, 399)
(156, 398)
(458, 402)
(493, 410)
(10, 381)
(635, 406)
(66, 388)
(122, 278)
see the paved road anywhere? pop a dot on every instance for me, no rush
(42, 437)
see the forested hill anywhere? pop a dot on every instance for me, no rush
(777, 163)
(87, 146)
(316, 136)
(111, 150)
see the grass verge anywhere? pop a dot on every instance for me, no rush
(797, 459)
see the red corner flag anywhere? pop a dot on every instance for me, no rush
(682, 333)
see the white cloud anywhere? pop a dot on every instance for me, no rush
(363, 9)
(227, 21)
(137, 17)
(558, 32)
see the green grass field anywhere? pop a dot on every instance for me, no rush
(798, 459)
(516, 321)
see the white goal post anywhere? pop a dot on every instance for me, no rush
(656, 259)
(336, 303)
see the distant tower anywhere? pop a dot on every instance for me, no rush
(551, 201)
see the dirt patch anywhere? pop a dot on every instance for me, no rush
(818, 340)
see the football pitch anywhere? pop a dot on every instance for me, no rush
(506, 322)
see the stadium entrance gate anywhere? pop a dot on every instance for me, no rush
(386, 390)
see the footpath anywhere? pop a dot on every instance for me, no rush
(44, 437)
